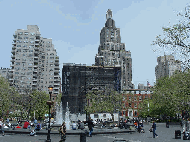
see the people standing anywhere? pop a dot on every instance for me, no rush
(63, 131)
(90, 126)
(154, 129)
(1, 126)
(26, 124)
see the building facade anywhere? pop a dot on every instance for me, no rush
(78, 79)
(131, 101)
(4, 72)
(34, 63)
(111, 52)
(167, 65)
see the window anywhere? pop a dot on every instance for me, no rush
(32, 33)
(140, 98)
(129, 104)
(135, 105)
(20, 33)
(26, 33)
(17, 63)
(29, 68)
(19, 37)
(135, 113)
(135, 98)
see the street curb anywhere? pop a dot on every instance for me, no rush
(67, 133)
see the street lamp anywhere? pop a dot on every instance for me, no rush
(49, 103)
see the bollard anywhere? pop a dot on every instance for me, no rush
(82, 137)
(177, 134)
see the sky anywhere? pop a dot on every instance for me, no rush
(75, 25)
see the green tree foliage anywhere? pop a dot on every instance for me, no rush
(103, 101)
(7, 97)
(176, 38)
(170, 96)
(38, 101)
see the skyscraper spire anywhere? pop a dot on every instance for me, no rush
(108, 14)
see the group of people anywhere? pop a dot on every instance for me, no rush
(139, 126)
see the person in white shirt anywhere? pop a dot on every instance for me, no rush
(74, 126)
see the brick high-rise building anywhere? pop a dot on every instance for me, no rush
(35, 64)
(111, 52)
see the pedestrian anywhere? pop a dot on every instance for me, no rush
(1, 126)
(82, 125)
(90, 126)
(63, 131)
(32, 133)
(26, 124)
(38, 127)
(139, 127)
(74, 126)
(154, 129)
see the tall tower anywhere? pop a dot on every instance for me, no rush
(35, 64)
(167, 65)
(111, 52)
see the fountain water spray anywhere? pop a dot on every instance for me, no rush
(59, 115)
(67, 119)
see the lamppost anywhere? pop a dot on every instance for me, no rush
(49, 103)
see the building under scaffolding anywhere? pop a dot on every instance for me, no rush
(78, 79)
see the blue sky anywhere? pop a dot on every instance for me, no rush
(75, 25)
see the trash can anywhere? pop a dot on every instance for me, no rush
(167, 124)
(83, 137)
(177, 134)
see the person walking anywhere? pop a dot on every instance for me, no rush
(63, 131)
(90, 126)
(1, 126)
(154, 129)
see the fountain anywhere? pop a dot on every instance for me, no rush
(67, 119)
(59, 115)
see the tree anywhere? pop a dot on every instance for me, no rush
(103, 101)
(7, 97)
(170, 96)
(39, 99)
(177, 38)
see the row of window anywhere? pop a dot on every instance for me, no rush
(26, 33)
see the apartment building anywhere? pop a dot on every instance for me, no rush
(34, 63)
(167, 65)
(4, 72)
(111, 52)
